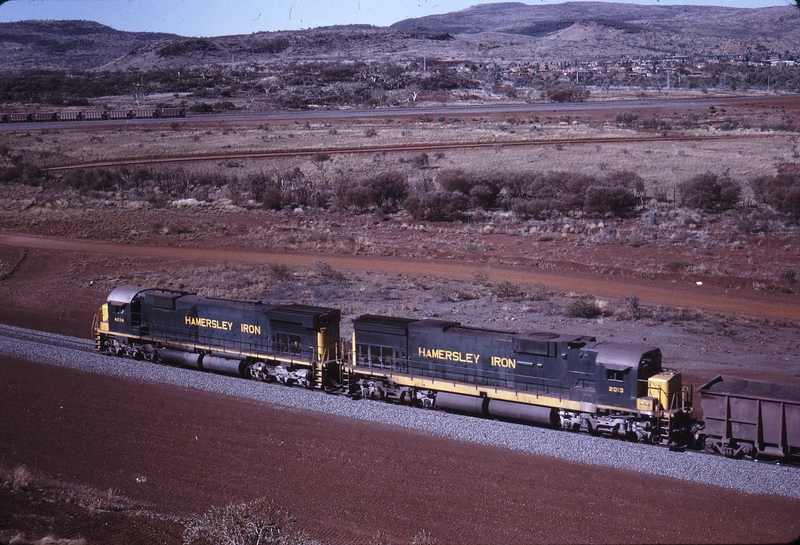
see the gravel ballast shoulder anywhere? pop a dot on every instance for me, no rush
(741, 475)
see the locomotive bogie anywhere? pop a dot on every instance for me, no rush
(274, 371)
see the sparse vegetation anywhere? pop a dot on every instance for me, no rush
(781, 192)
(257, 522)
(710, 192)
(20, 539)
(20, 478)
(507, 290)
(583, 307)
(550, 204)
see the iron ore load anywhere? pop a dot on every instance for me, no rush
(563, 381)
(751, 418)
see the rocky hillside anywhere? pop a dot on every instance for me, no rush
(614, 28)
(485, 33)
(64, 45)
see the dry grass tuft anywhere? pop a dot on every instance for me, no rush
(20, 478)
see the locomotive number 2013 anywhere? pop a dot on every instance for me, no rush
(616, 389)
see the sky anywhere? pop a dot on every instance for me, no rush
(227, 17)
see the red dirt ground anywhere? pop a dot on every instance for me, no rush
(344, 480)
(166, 454)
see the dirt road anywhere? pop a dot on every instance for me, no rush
(703, 297)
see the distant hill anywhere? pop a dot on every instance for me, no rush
(609, 28)
(488, 33)
(61, 45)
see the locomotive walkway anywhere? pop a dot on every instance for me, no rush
(709, 298)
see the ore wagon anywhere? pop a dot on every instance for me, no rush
(751, 418)
(20, 118)
(45, 116)
(115, 114)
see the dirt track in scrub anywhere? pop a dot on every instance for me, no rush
(714, 298)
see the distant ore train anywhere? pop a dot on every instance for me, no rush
(561, 381)
(137, 113)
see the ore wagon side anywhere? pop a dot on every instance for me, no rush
(751, 418)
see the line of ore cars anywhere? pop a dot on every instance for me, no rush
(136, 113)
(566, 381)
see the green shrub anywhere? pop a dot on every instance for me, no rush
(617, 201)
(781, 192)
(567, 93)
(710, 192)
(788, 275)
(388, 190)
(437, 206)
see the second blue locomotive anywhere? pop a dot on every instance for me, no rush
(573, 382)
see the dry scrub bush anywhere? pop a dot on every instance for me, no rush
(322, 269)
(19, 539)
(781, 192)
(258, 522)
(710, 192)
(539, 292)
(507, 290)
(20, 478)
(386, 190)
(280, 272)
(583, 308)
(437, 206)
(423, 538)
(788, 275)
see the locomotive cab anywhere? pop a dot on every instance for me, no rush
(121, 313)
(623, 372)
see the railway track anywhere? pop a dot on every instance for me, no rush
(405, 148)
(755, 478)
(48, 339)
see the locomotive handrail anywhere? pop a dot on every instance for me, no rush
(307, 355)
(529, 385)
